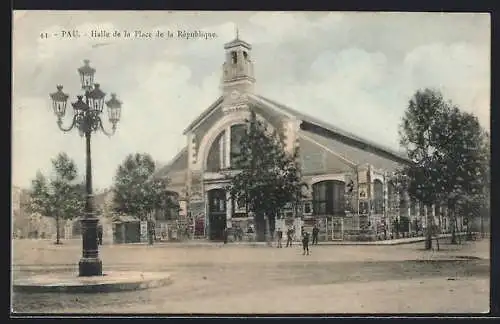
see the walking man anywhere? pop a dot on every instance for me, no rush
(289, 234)
(305, 243)
(99, 234)
(315, 233)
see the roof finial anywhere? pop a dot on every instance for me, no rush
(237, 31)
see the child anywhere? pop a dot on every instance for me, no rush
(315, 233)
(279, 233)
(305, 243)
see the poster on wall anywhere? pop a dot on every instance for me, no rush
(197, 209)
(144, 231)
(363, 191)
(182, 208)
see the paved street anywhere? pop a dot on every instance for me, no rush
(243, 279)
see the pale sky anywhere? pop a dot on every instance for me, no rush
(353, 70)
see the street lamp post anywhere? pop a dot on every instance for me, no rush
(87, 119)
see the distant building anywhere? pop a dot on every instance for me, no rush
(20, 218)
(348, 176)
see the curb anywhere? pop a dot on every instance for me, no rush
(296, 243)
(29, 286)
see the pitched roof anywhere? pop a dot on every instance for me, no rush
(356, 155)
(125, 219)
(341, 134)
(237, 42)
(164, 170)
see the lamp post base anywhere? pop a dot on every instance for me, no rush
(88, 267)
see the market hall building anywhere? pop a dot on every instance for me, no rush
(349, 193)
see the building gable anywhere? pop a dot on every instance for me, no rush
(205, 115)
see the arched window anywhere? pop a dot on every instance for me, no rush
(218, 153)
(237, 133)
(378, 196)
(329, 197)
(215, 158)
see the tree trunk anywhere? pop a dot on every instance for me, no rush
(267, 219)
(482, 222)
(469, 231)
(58, 234)
(428, 239)
(150, 233)
(459, 230)
(453, 222)
(260, 228)
(272, 224)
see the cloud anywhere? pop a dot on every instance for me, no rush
(335, 66)
(350, 69)
(162, 105)
(36, 139)
(460, 71)
(359, 90)
(275, 27)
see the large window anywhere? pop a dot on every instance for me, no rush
(216, 154)
(378, 196)
(237, 133)
(329, 198)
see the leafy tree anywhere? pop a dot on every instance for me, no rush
(60, 195)
(266, 176)
(137, 193)
(444, 145)
(420, 134)
(464, 162)
(129, 182)
(484, 196)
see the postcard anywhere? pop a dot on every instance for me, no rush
(242, 163)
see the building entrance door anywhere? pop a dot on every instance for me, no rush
(337, 229)
(216, 214)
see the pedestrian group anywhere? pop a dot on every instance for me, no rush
(304, 235)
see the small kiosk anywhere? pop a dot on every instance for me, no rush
(126, 229)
